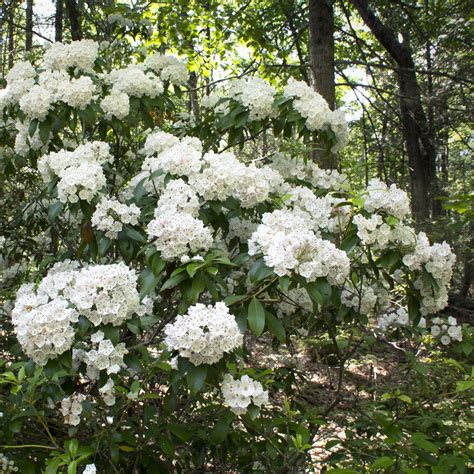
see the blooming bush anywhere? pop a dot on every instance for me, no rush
(156, 263)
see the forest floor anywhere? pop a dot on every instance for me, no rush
(378, 366)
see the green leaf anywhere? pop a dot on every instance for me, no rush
(232, 299)
(54, 210)
(464, 385)
(104, 245)
(419, 439)
(157, 264)
(315, 294)
(195, 377)
(275, 326)
(382, 462)
(349, 242)
(220, 430)
(193, 267)
(198, 286)
(133, 362)
(147, 281)
(259, 271)
(44, 129)
(174, 281)
(32, 127)
(413, 308)
(135, 235)
(256, 316)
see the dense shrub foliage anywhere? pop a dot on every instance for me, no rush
(147, 253)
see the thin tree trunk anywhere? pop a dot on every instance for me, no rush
(420, 148)
(321, 52)
(193, 97)
(58, 20)
(11, 35)
(29, 25)
(74, 19)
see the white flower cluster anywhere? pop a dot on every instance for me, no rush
(288, 245)
(170, 68)
(71, 409)
(363, 299)
(44, 318)
(7, 465)
(438, 260)
(394, 318)
(240, 393)
(380, 197)
(20, 79)
(446, 331)
(296, 169)
(294, 299)
(24, 142)
(43, 327)
(314, 108)
(77, 54)
(223, 175)
(176, 230)
(117, 104)
(54, 84)
(106, 294)
(135, 81)
(204, 334)
(80, 172)
(119, 19)
(103, 356)
(241, 228)
(255, 94)
(107, 392)
(176, 234)
(110, 215)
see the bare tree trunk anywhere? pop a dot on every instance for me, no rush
(11, 34)
(381, 173)
(321, 52)
(321, 48)
(420, 148)
(193, 97)
(74, 19)
(29, 25)
(58, 21)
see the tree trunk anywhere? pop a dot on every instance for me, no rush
(321, 48)
(58, 21)
(74, 20)
(420, 148)
(193, 96)
(29, 25)
(11, 35)
(321, 52)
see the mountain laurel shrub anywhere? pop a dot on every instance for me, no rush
(145, 258)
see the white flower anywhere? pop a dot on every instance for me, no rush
(117, 104)
(110, 215)
(90, 469)
(204, 334)
(239, 394)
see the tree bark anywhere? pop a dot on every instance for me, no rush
(11, 34)
(321, 53)
(420, 148)
(58, 21)
(29, 25)
(74, 19)
(193, 96)
(321, 48)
